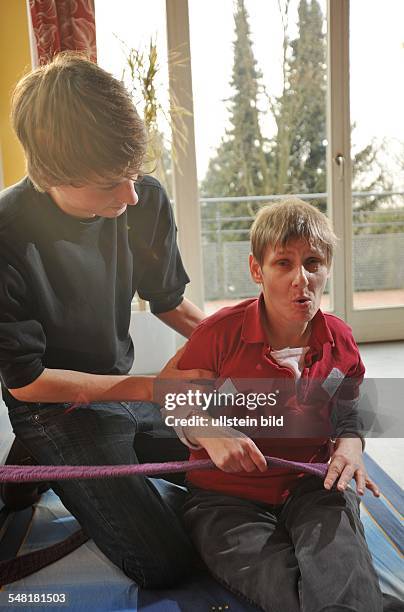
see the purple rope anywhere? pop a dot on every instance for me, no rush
(24, 565)
(35, 473)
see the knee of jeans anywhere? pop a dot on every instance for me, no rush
(161, 575)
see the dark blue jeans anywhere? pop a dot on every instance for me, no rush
(133, 520)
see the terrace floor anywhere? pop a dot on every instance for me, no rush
(362, 300)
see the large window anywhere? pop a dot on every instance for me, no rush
(267, 89)
(260, 124)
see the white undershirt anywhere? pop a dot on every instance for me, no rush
(291, 358)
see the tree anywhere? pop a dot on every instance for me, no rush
(294, 160)
(240, 166)
(300, 113)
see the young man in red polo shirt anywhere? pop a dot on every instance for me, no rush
(285, 541)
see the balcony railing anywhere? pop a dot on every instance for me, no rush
(378, 243)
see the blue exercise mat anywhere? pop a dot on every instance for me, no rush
(91, 582)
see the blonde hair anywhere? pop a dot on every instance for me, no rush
(75, 122)
(291, 219)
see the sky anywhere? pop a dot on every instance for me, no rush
(376, 63)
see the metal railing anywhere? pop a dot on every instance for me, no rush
(361, 218)
(301, 196)
(378, 245)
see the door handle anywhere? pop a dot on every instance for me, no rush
(340, 161)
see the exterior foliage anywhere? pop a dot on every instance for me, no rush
(294, 159)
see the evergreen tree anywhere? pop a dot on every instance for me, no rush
(240, 166)
(300, 112)
(294, 161)
(300, 153)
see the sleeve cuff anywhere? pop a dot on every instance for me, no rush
(158, 307)
(351, 434)
(182, 413)
(22, 379)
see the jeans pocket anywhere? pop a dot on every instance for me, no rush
(48, 413)
(23, 414)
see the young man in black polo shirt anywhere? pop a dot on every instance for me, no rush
(78, 237)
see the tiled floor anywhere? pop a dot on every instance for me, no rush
(386, 360)
(383, 359)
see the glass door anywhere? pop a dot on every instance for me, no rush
(260, 91)
(366, 166)
(377, 152)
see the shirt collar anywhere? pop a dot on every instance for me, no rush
(253, 331)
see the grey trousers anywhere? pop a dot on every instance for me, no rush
(308, 554)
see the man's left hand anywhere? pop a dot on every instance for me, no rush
(347, 463)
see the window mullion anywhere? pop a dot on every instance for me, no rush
(339, 152)
(184, 163)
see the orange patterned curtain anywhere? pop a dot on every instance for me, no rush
(61, 25)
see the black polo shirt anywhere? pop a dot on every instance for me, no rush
(66, 284)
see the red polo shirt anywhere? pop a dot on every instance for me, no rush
(233, 344)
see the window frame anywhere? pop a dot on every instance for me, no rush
(368, 324)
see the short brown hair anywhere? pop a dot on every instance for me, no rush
(291, 219)
(76, 121)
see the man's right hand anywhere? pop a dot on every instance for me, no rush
(172, 380)
(231, 450)
(171, 370)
